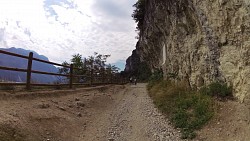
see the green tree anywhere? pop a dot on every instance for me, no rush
(84, 66)
(139, 12)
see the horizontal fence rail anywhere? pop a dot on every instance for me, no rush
(92, 77)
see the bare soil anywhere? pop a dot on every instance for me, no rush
(231, 123)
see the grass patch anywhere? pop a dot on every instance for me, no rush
(217, 89)
(187, 109)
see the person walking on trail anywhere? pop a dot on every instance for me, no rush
(131, 80)
(135, 81)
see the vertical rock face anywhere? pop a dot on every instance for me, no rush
(132, 62)
(200, 40)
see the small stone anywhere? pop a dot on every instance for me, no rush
(54, 101)
(43, 105)
(48, 139)
(81, 104)
(77, 99)
(111, 139)
(79, 114)
(14, 114)
(62, 108)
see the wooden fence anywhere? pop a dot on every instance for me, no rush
(113, 78)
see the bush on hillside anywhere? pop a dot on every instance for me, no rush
(217, 89)
(139, 12)
(187, 109)
(155, 77)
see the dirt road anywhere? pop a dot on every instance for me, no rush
(130, 116)
(114, 113)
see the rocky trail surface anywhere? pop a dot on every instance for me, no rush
(112, 113)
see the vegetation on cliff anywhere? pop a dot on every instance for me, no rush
(138, 14)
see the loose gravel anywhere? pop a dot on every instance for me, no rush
(132, 117)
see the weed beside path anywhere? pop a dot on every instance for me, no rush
(187, 109)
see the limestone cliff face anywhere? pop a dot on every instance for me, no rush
(200, 40)
(132, 62)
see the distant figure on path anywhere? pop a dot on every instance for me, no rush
(135, 81)
(131, 80)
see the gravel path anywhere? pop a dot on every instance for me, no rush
(130, 116)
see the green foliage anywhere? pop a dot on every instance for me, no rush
(139, 12)
(188, 110)
(194, 110)
(83, 66)
(155, 77)
(64, 70)
(77, 60)
(172, 75)
(143, 72)
(217, 89)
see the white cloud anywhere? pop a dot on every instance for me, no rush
(61, 28)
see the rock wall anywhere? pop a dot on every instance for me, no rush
(132, 62)
(200, 40)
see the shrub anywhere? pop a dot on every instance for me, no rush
(156, 76)
(217, 89)
(187, 110)
(139, 12)
(172, 75)
(192, 112)
(143, 72)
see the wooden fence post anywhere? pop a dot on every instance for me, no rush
(71, 76)
(28, 80)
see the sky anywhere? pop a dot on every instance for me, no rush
(59, 29)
